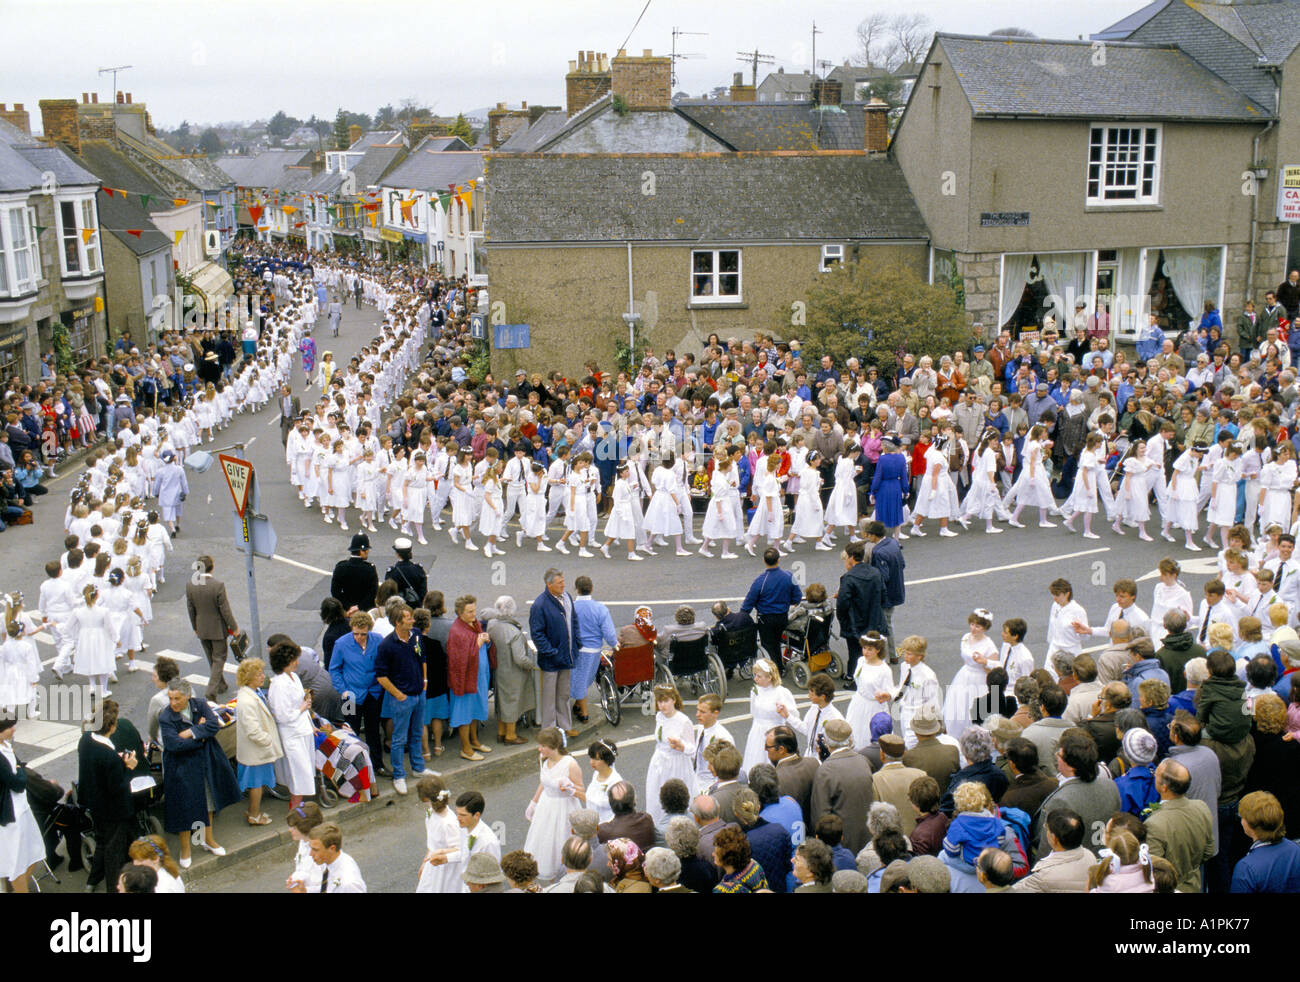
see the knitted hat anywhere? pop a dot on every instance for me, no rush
(1139, 746)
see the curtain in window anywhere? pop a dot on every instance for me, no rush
(1131, 304)
(1194, 275)
(1015, 273)
(1064, 273)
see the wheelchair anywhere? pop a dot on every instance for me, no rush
(628, 674)
(693, 662)
(736, 651)
(808, 651)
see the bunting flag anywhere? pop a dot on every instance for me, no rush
(289, 209)
(180, 202)
(299, 224)
(145, 199)
(87, 234)
(255, 213)
(212, 203)
(444, 199)
(407, 207)
(374, 219)
(180, 233)
(371, 207)
(331, 211)
(134, 231)
(40, 229)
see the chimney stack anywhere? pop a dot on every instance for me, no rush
(128, 98)
(740, 92)
(59, 121)
(587, 81)
(17, 116)
(877, 126)
(644, 82)
(94, 98)
(85, 98)
(354, 134)
(121, 100)
(826, 92)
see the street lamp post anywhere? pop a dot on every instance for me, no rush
(200, 462)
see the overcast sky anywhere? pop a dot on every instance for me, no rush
(219, 60)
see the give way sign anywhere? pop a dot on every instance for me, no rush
(239, 478)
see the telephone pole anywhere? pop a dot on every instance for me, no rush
(815, 32)
(754, 59)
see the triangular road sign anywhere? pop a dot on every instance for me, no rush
(239, 478)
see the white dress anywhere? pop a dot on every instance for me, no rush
(762, 709)
(870, 680)
(668, 763)
(808, 514)
(297, 768)
(661, 515)
(1165, 599)
(982, 500)
(769, 519)
(1033, 489)
(967, 685)
(95, 641)
(442, 831)
(1084, 496)
(937, 497)
(1223, 503)
(1182, 494)
(1276, 478)
(842, 505)
(532, 517)
(491, 519)
(15, 683)
(21, 845)
(462, 496)
(121, 602)
(621, 523)
(550, 825)
(1134, 492)
(720, 517)
(598, 794)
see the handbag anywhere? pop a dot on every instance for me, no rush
(408, 592)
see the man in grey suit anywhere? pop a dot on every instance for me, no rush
(843, 785)
(725, 764)
(289, 410)
(212, 621)
(794, 772)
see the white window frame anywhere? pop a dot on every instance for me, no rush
(832, 252)
(14, 285)
(86, 216)
(716, 297)
(1097, 190)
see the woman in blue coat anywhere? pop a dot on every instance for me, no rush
(889, 485)
(198, 780)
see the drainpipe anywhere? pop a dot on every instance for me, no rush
(631, 308)
(1254, 206)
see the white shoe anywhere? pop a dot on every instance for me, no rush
(184, 862)
(131, 666)
(1145, 538)
(453, 533)
(729, 555)
(1192, 547)
(964, 522)
(329, 519)
(919, 533)
(422, 540)
(1049, 525)
(586, 553)
(633, 557)
(343, 525)
(604, 550)
(992, 530)
(823, 546)
(902, 536)
(562, 547)
(399, 785)
(705, 553)
(947, 533)
(215, 850)
(543, 547)
(519, 539)
(1014, 524)
(469, 544)
(1091, 535)
(749, 548)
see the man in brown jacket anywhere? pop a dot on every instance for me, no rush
(939, 760)
(1180, 829)
(892, 782)
(212, 621)
(794, 772)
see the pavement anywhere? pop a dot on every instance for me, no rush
(1007, 573)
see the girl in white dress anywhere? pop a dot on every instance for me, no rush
(396, 487)
(875, 688)
(663, 515)
(620, 524)
(808, 521)
(1170, 594)
(441, 476)
(674, 754)
(443, 864)
(601, 755)
(764, 697)
(291, 706)
(1223, 495)
(1090, 473)
(317, 474)
(492, 517)
(769, 518)
(21, 845)
(577, 516)
(137, 581)
(532, 516)
(1135, 491)
(1033, 489)
(20, 670)
(559, 792)
(462, 499)
(338, 483)
(937, 496)
(842, 505)
(367, 500)
(121, 602)
(95, 641)
(978, 655)
(720, 517)
(983, 500)
(1182, 496)
(1276, 479)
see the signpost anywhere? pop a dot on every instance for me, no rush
(239, 478)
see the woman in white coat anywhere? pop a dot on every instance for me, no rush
(257, 738)
(291, 706)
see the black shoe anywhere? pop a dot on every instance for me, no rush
(382, 771)
(850, 685)
(579, 717)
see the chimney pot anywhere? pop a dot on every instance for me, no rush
(573, 67)
(647, 53)
(128, 98)
(738, 78)
(18, 107)
(85, 97)
(94, 98)
(622, 53)
(525, 105)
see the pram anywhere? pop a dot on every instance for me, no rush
(806, 651)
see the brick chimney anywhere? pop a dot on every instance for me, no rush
(587, 81)
(128, 98)
(826, 92)
(740, 92)
(59, 121)
(354, 134)
(643, 82)
(18, 116)
(504, 123)
(877, 125)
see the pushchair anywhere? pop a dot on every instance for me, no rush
(71, 819)
(807, 651)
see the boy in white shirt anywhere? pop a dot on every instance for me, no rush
(821, 690)
(707, 729)
(1015, 657)
(919, 690)
(1124, 608)
(1067, 621)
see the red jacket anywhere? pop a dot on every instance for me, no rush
(462, 658)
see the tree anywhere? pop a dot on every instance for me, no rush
(1012, 32)
(888, 88)
(461, 129)
(871, 40)
(909, 37)
(876, 314)
(281, 125)
(183, 130)
(342, 138)
(210, 142)
(385, 114)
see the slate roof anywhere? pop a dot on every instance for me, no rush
(58, 162)
(1272, 30)
(375, 163)
(787, 82)
(698, 197)
(433, 170)
(199, 172)
(325, 183)
(781, 125)
(1057, 79)
(117, 214)
(535, 135)
(116, 170)
(443, 143)
(377, 138)
(16, 172)
(263, 170)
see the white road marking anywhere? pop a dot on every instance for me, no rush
(294, 562)
(203, 679)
